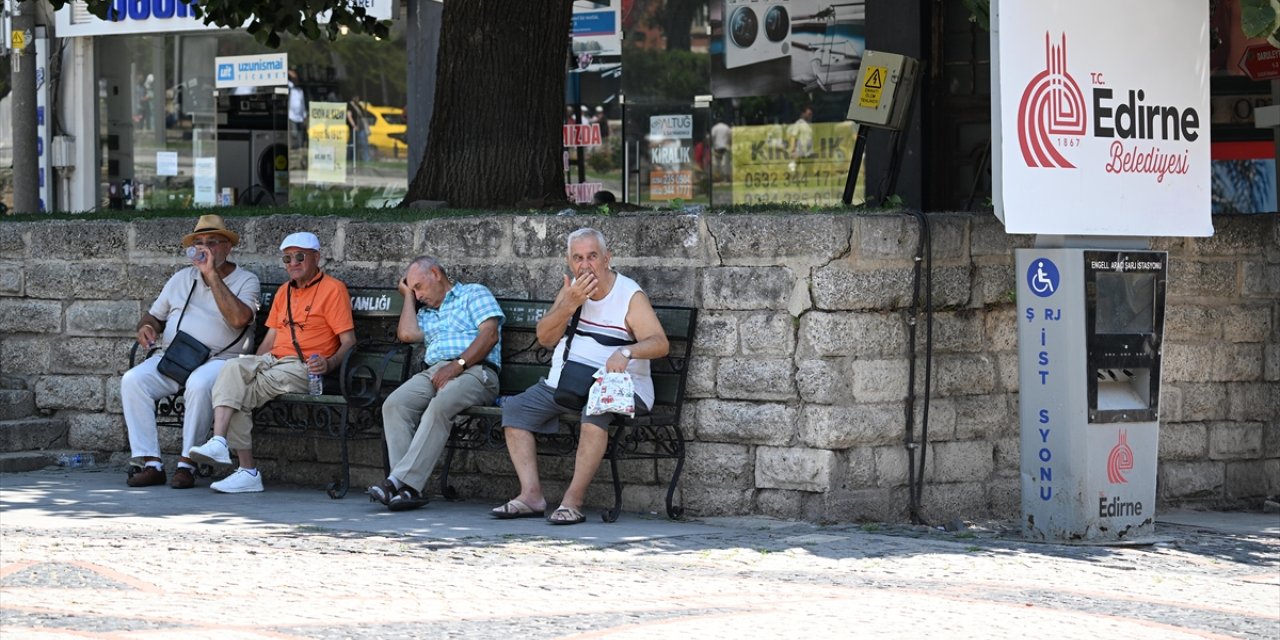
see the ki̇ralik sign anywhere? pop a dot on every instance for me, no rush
(1100, 117)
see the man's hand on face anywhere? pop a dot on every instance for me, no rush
(580, 289)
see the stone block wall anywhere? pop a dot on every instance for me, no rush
(796, 390)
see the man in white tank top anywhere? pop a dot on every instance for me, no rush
(617, 330)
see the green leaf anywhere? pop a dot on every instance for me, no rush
(1257, 18)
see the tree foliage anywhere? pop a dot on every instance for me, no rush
(268, 19)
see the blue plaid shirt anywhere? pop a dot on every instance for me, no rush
(449, 330)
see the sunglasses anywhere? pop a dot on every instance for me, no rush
(297, 257)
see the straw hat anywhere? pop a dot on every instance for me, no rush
(211, 223)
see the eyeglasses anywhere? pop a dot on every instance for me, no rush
(208, 243)
(297, 257)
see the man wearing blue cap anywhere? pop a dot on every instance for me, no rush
(311, 314)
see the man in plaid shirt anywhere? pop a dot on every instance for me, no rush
(461, 325)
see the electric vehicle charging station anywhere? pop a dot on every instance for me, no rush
(1100, 141)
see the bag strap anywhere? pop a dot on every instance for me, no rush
(568, 332)
(184, 307)
(288, 296)
(184, 313)
(233, 342)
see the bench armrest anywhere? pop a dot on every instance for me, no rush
(368, 364)
(133, 354)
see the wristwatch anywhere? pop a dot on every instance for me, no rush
(626, 353)
(462, 362)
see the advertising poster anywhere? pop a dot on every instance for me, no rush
(767, 47)
(327, 142)
(805, 164)
(671, 162)
(206, 179)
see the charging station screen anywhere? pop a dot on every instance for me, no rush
(1126, 303)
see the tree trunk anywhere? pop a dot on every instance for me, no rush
(495, 136)
(676, 18)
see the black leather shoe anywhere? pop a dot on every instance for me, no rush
(407, 498)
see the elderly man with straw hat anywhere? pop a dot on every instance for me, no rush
(212, 301)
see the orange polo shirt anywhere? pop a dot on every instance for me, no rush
(321, 311)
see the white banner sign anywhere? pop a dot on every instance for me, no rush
(1100, 117)
(165, 16)
(265, 70)
(673, 126)
(206, 179)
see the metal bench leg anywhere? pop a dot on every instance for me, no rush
(612, 514)
(338, 489)
(676, 512)
(447, 491)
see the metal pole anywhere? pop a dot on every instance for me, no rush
(26, 185)
(855, 164)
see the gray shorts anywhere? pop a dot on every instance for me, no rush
(536, 410)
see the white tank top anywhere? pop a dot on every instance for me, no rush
(602, 330)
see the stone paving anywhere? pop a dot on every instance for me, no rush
(82, 555)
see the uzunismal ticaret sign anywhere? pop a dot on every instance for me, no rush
(1100, 117)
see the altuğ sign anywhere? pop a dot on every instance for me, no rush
(1261, 61)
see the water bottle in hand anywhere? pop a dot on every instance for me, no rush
(196, 254)
(315, 380)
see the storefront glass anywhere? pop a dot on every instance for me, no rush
(336, 135)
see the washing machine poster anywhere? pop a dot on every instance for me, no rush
(327, 136)
(801, 162)
(767, 47)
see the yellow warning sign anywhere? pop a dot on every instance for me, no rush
(872, 87)
(19, 40)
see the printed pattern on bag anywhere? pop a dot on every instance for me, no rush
(612, 393)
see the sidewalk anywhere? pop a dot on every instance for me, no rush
(82, 554)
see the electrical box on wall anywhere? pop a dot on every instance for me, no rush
(63, 152)
(883, 93)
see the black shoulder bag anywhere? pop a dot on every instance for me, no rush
(185, 354)
(575, 378)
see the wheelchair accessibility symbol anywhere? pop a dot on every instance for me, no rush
(1042, 277)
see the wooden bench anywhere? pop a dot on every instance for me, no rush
(656, 436)
(351, 407)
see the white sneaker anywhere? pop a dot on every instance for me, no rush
(214, 451)
(239, 482)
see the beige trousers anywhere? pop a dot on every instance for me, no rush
(248, 382)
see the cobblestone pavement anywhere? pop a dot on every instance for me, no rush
(82, 555)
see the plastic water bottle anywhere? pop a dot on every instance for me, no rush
(315, 380)
(194, 251)
(75, 461)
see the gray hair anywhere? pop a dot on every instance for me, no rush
(582, 233)
(427, 263)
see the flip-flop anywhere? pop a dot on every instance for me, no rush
(515, 509)
(566, 515)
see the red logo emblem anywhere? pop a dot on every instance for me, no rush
(1052, 105)
(1120, 460)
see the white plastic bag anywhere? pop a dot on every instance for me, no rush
(612, 393)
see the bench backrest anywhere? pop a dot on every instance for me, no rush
(376, 312)
(524, 360)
